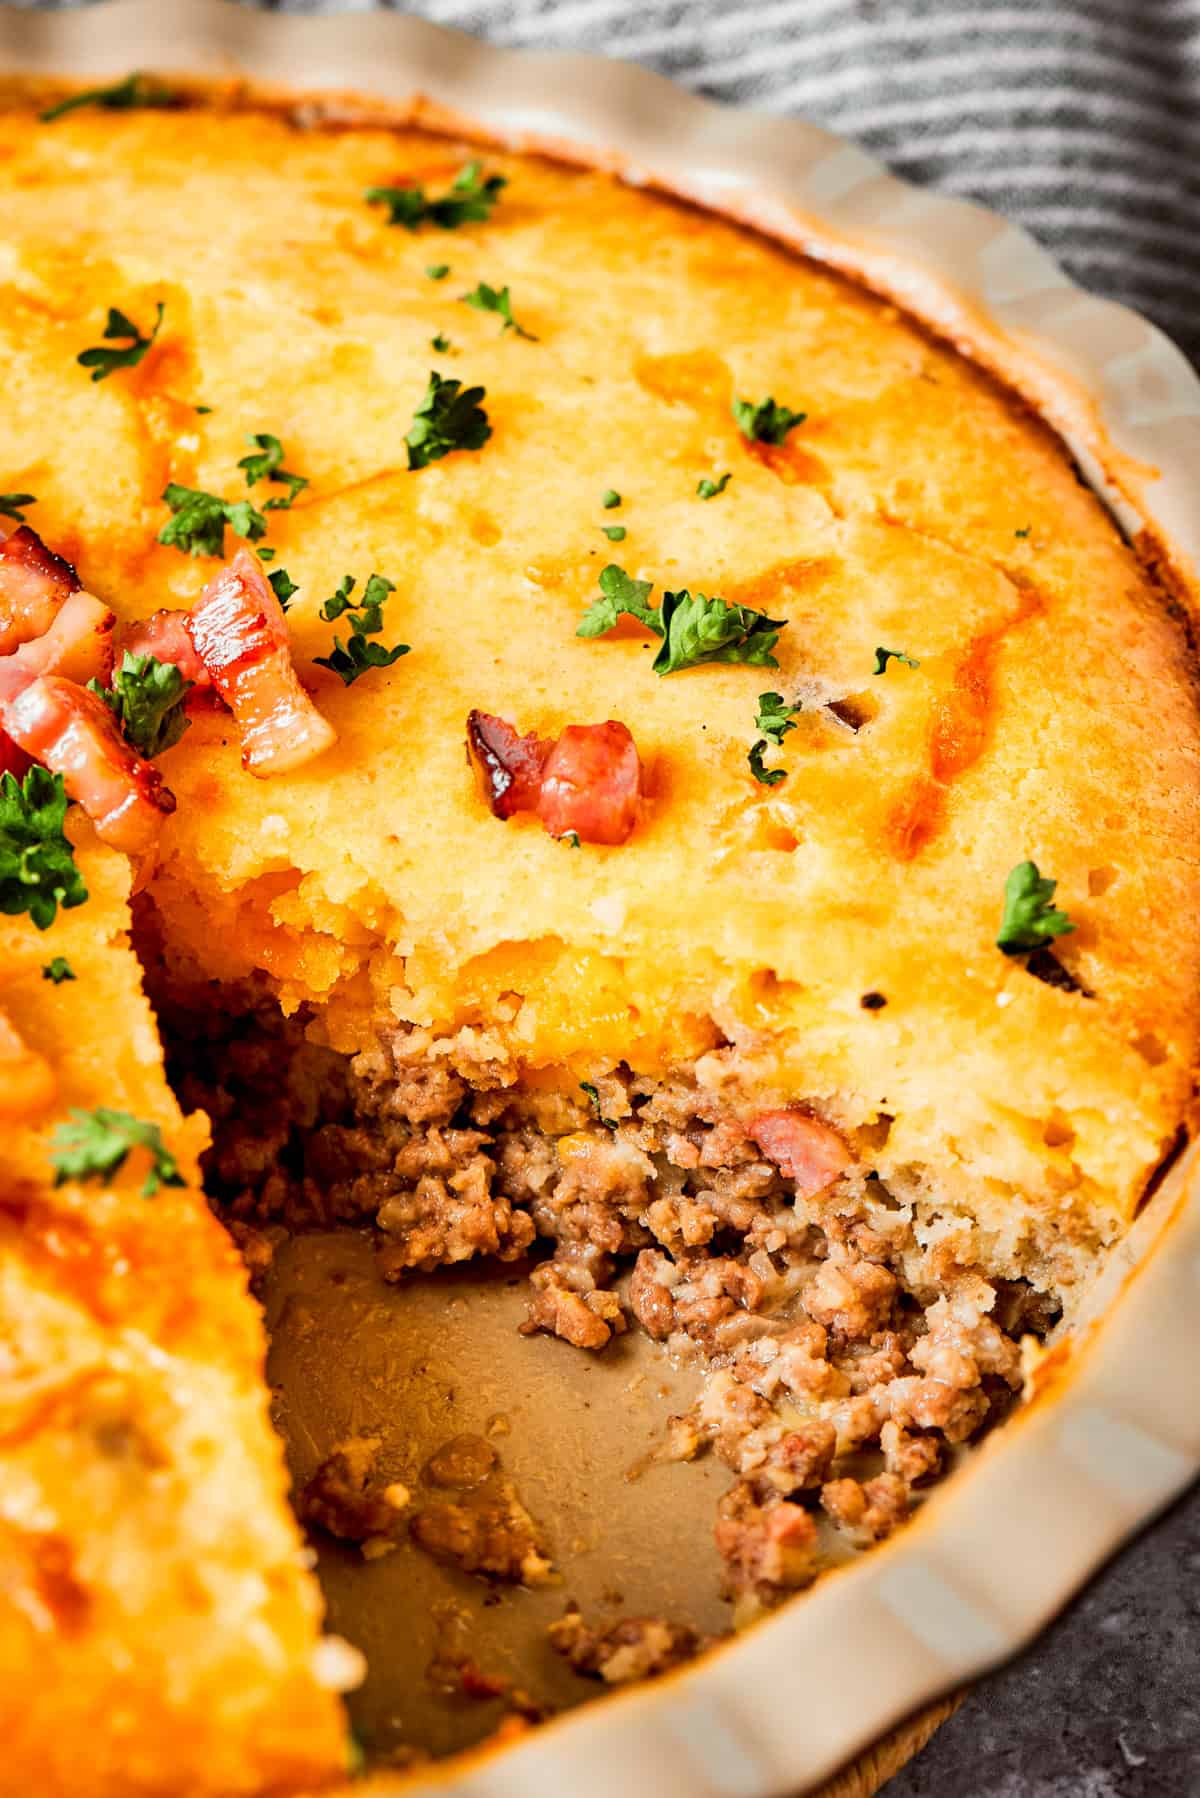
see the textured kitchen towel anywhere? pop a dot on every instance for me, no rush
(1080, 118)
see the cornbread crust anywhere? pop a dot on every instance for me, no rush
(158, 1629)
(1053, 715)
(917, 507)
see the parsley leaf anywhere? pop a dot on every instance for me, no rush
(765, 422)
(1023, 533)
(775, 716)
(440, 343)
(884, 656)
(437, 271)
(11, 504)
(616, 533)
(766, 777)
(37, 863)
(103, 362)
(146, 698)
(610, 498)
(359, 654)
(266, 464)
(470, 197)
(694, 628)
(698, 629)
(1030, 920)
(135, 90)
(571, 838)
(497, 300)
(449, 417)
(619, 595)
(283, 586)
(198, 525)
(710, 489)
(58, 970)
(94, 1144)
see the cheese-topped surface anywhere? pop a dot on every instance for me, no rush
(1052, 716)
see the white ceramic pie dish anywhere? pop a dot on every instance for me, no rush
(1114, 1431)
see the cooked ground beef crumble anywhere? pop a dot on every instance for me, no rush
(846, 1348)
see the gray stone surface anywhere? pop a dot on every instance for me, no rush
(1106, 1705)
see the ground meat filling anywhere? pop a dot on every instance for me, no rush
(846, 1349)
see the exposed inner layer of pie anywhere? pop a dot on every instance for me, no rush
(615, 832)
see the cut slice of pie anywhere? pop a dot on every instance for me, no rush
(677, 786)
(159, 1631)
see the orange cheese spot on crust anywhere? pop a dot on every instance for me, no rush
(692, 378)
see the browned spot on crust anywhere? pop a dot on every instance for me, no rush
(958, 734)
(692, 378)
(783, 580)
(54, 1588)
(789, 461)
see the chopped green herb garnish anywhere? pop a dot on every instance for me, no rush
(710, 489)
(1030, 920)
(499, 301)
(610, 498)
(94, 1144)
(104, 362)
(470, 197)
(884, 656)
(58, 970)
(37, 863)
(437, 271)
(620, 596)
(359, 653)
(766, 777)
(146, 698)
(694, 627)
(1023, 533)
(202, 409)
(571, 839)
(449, 417)
(266, 464)
(282, 585)
(764, 421)
(775, 718)
(12, 504)
(266, 553)
(135, 90)
(440, 343)
(198, 524)
(616, 533)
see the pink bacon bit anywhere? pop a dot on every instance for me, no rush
(588, 782)
(802, 1147)
(165, 636)
(73, 733)
(509, 765)
(34, 582)
(78, 643)
(238, 631)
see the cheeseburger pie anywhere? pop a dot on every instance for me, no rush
(543, 726)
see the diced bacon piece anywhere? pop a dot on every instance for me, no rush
(509, 766)
(592, 783)
(238, 630)
(73, 733)
(27, 1081)
(802, 1147)
(34, 582)
(13, 761)
(166, 637)
(78, 643)
(13, 680)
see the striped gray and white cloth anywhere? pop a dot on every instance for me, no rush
(1079, 118)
